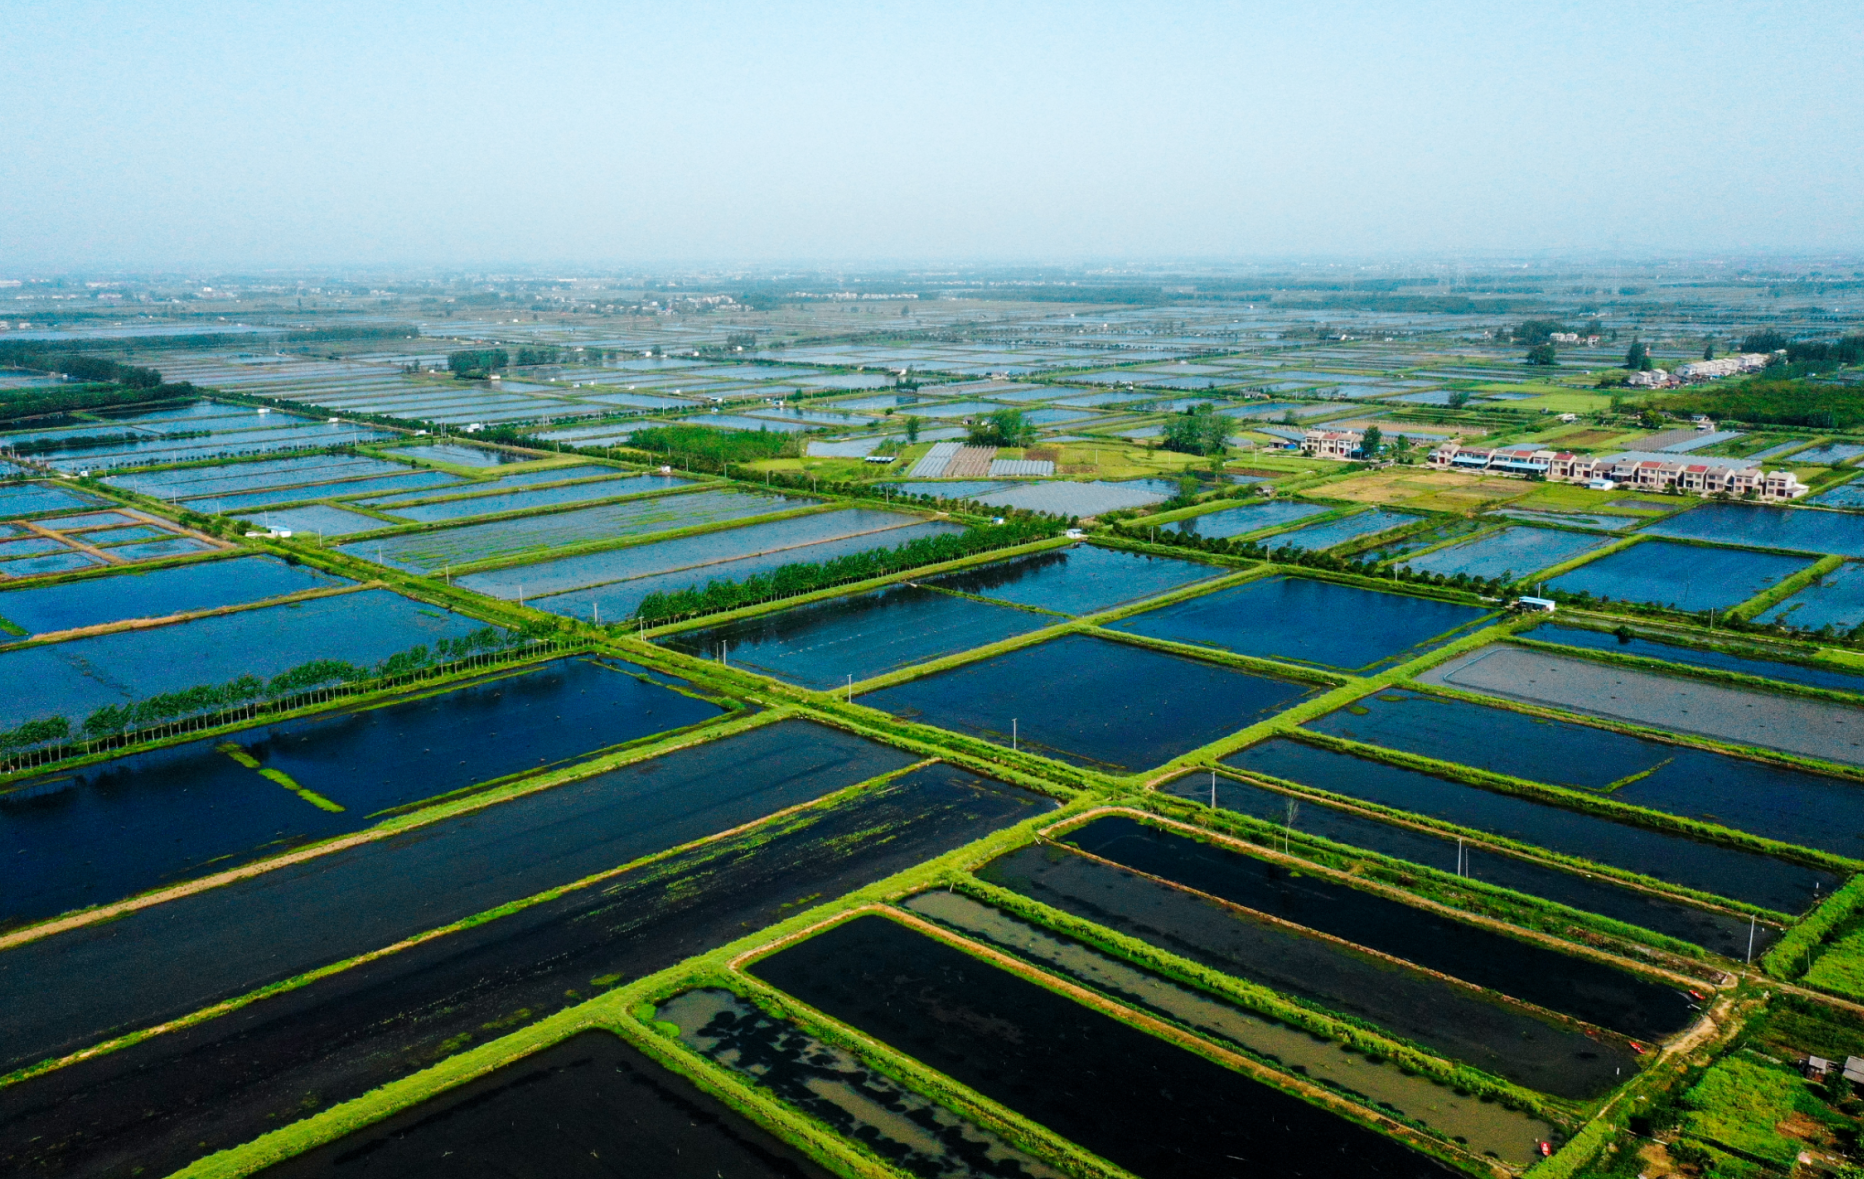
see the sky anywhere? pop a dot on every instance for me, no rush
(190, 135)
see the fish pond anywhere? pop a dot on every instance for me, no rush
(1491, 1033)
(1244, 520)
(1308, 621)
(821, 644)
(1091, 701)
(1632, 643)
(1724, 933)
(1834, 599)
(101, 832)
(194, 950)
(1484, 1127)
(156, 593)
(1065, 498)
(580, 1109)
(75, 677)
(1316, 537)
(836, 1087)
(1115, 1090)
(174, 1098)
(1683, 576)
(515, 501)
(1079, 579)
(1509, 554)
(27, 499)
(1802, 530)
(1760, 797)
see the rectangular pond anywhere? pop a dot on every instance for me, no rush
(323, 520)
(430, 552)
(1308, 621)
(1316, 537)
(1251, 518)
(209, 945)
(821, 644)
(174, 1098)
(1088, 1077)
(1756, 717)
(27, 499)
(1683, 576)
(1490, 1032)
(560, 1112)
(1632, 643)
(114, 829)
(234, 477)
(75, 677)
(377, 484)
(1064, 498)
(1079, 579)
(204, 585)
(1834, 599)
(1091, 702)
(1484, 1127)
(1800, 530)
(1510, 554)
(1766, 799)
(516, 501)
(1723, 933)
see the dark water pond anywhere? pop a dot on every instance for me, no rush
(1251, 518)
(1722, 932)
(1501, 1038)
(1786, 804)
(1139, 1102)
(1759, 880)
(1798, 529)
(1091, 701)
(173, 1098)
(1773, 669)
(1080, 579)
(1485, 1127)
(1579, 987)
(60, 992)
(591, 1106)
(112, 830)
(1686, 576)
(1307, 621)
(155, 593)
(912, 1132)
(819, 645)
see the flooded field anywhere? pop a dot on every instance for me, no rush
(1115, 1090)
(1686, 577)
(1724, 933)
(910, 1131)
(1079, 579)
(75, 677)
(1254, 518)
(1145, 707)
(1834, 599)
(206, 946)
(106, 831)
(1578, 987)
(582, 1108)
(1316, 537)
(1795, 529)
(1500, 1038)
(1508, 554)
(516, 501)
(1653, 648)
(156, 593)
(1276, 618)
(1777, 801)
(1745, 716)
(819, 645)
(179, 1096)
(1484, 1127)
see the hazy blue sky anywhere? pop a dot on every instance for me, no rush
(397, 132)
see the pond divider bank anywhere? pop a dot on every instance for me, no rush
(343, 1035)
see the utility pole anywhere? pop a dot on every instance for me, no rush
(1213, 790)
(1012, 734)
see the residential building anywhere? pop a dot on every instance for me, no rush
(1333, 444)
(1639, 470)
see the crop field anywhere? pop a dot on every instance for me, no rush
(451, 788)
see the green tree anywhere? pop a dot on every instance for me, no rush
(477, 362)
(1006, 427)
(912, 428)
(1708, 350)
(1373, 441)
(1537, 331)
(1637, 359)
(1459, 398)
(1542, 354)
(1199, 430)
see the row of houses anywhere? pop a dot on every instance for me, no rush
(1635, 470)
(1701, 370)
